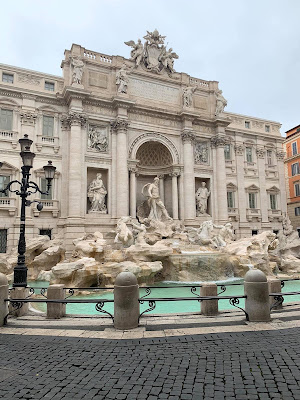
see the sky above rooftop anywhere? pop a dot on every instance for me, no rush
(251, 47)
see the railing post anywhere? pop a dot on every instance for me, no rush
(257, 304)
(126, 301)
(209, 307)
(274, 287)
(3, 296)
(19, 293)
(56, 310)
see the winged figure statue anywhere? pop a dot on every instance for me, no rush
(167, 59)
(136, 52)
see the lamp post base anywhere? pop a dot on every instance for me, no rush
(20, 276)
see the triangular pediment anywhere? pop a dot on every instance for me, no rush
(252, 188)
(231, 186)
(273, 189)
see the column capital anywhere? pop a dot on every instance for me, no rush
(187, 136)
(219, 141)
(239, 149)
(174, 174)
(260, 151)
(133, 170)
(119, 124)
(73, 118)
(280, 154)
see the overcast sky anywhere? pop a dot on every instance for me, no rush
(251, 47)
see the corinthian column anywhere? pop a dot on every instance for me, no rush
(218, 142)
(120, 126)
(264, 201)
(175, 196)
(280, 156)
(132, 192)
(188, 175)
(75, 121)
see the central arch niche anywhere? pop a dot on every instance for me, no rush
(155, 159)
(154, 154)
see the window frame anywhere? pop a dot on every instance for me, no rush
(4, 185)
(10, 75)
(273, 204)
(269, 155)
(247, 124)
(2, 117)
(247, 154)
(51, 86)
(5, 240)
(295, 170)
(232, 199)
(227, 154)
(254, 200)
(43, 187)
(45, 127)
(267, 128)
(294, 152)
(296, 212)
(297, 185)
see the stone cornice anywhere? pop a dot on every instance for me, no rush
(122, 102)
(222, 122)
(72, 92)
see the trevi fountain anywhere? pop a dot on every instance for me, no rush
(155, 248)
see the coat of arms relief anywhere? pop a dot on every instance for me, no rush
(153, 54)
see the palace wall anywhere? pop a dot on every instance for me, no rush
(88, 126)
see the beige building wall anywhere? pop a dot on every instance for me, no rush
(182, 145)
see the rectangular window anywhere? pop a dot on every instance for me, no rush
(297, 189)
(269, 157)
(3, 240)
(48, 126)
(294, 148)
(46, 232)
(252, 200)
(227, 152)
(273, 201)
(49, 86)
(4, 180)
(267, 128)
(249, 154)
(230, 199)
(297, 211)
(8, 78)
(295, 169)
(44, 189)
(247, 124)
(6, 118)
(298, 230)
(254, 232)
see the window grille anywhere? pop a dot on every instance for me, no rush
(3, 240)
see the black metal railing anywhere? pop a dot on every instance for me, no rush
(233, 300)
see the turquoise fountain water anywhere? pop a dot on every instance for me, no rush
(167, 307)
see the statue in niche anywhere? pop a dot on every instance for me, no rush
(122, 79)
(188, 96)
(221, 103)
(136, 52)
(153, 208)
(202, 196)
(201, 153)
(97, 138)
(96, 194)
(77, 70)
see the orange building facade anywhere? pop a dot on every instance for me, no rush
(292, 173)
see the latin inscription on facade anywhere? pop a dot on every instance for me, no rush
(154, 91)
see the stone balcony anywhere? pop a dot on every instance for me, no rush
(275, 215)
(47, 141)
(9, 136)
(253, 214)
(8, 204)
(51, 206)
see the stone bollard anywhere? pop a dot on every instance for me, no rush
(209, 307)
(3, 296)
(257, 303)
(274, 287)
(126, 303)
(56, 310)
(19, 293)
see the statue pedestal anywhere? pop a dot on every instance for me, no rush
(97, 212)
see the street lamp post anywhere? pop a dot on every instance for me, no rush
(26, 188)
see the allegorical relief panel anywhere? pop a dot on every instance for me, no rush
(98, 138)
(154, 91)
(201, 155)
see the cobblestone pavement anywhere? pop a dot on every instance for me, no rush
(237, 365)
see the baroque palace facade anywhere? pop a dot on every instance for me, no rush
(132, 120)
